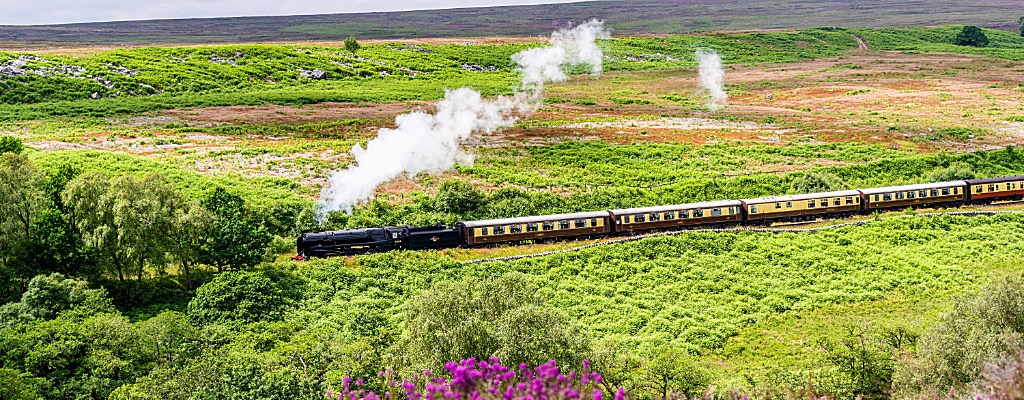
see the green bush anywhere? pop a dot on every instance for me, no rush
(10, 144)
(971, 36)
(481, 318)
(240, 297)
(981, 328)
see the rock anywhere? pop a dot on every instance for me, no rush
(312, 74)
(9, 70)
(95, 95)
(477, 68)
(124, 71)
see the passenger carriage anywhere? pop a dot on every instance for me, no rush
(802, 206)
(915, 195)
(1004, 188)
(678, 215)
(539, 228)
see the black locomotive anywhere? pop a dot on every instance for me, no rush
(371, 240)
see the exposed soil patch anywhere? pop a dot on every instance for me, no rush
(274, 114)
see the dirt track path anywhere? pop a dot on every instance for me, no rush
(862, 45)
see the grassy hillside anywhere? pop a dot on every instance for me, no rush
(132, 81)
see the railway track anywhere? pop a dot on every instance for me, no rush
(788, 228)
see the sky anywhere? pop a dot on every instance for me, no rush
(22, 12)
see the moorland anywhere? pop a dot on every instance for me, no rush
(154, 194)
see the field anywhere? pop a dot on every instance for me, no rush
(808, 109)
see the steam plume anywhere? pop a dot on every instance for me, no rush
(431, 143)
(711, 77)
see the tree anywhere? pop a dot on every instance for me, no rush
(10, 144)
(241, 297)
(670, 372)
(971, 36)
(49, 295)
(980, 328)
(129, 221)
(817, 182)
(1021, 22)
(22, 202)
(864, 360)
(237, 239)
(480, 318)
(458, 197)
(352, 45)
(166, 333)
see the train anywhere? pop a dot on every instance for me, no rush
(628, 221)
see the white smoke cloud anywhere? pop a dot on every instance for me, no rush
(712, 78)
(431, 143)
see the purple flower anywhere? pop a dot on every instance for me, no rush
(471, 379)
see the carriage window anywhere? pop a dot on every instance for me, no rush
(640, 218)
(922, 193)
(824, 202)
(549, 226)
(581, 223)
(531, 227)
(977, 189)
(810, 204)
(499, 230)
(957, 190)
(876, 197)
(684, 214)
(899, 196)
(991, 188)
(698, 213)
(778, 206)
(563, 224)
(625, 218)
(655, 217)
(789, 204)
(753, 209)
(593, 222)
(483, 231)
(837, 202)
(945, 192)
(716, 212)
(670, 216)
(515, 229)
(887, 196)
(934, 192)
(849, 200)
(911, 195)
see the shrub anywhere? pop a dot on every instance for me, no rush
(957, 171)
(240, 297)
(971, 36)
(488, 317)
(470, 379)
(981, 328)
(10, 144)
(818, 181)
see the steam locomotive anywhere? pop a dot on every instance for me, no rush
(760, 211)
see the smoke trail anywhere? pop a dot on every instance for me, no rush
(431, 143)
(711, 77)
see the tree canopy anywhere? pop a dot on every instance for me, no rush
(352, 45)
(971, 36)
